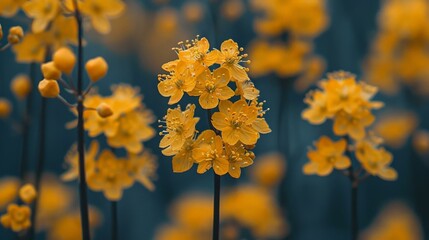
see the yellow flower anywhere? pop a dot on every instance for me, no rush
(143, 168)
(420, 141)
(68, 226)
(395, 128)
(396, 221)
(238, 157)
(193, 212)
(21, 86)
(198, 54)
(269, 169)
(110, 176)
(210, 153)
(100, 11)
(179, 126)
(5, 108)
(96, 68)
(15, 35)
(318, 111)
(9, 190)
(353, 124)
(182, 160)
(8, 8)
(62, 31)
(134, 128)
(27, 193)
(72, 160)
(230, 59)
(17, 218)
(376, 161)
(175, 233)
(235, 121)
(42, 11)
(181, 79)
(49, 88)
(64, 60)
(327, 156)
(32, 48)
(212, 87)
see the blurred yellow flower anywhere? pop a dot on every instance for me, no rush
(193, 212)
(42, 12)
(100, 11)
(72, 160)
(27, 193)
(21, 86)
(420, 142)
(327, 156)
(5, 108)
(269, 169)
(142, 168)
(32, 48)
(8, 8)
(110, 176)
(17, 218)
(396, 221)
(9, 190)
(396, 127)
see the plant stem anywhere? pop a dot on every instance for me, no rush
(114, 226)
(80, 127)
(24, 128)
(354, 195)
(216, 197)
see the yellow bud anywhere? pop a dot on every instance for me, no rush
(104, 110)
(50, 71)
(96, 68)
(5, 108)
(6, 221)
(49, 88)
(64, 60)
(27, 193)
(21, 86)
(15, 35)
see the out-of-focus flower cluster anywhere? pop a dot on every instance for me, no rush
(56, 213)
(348, 103)
(53, 24)
(400, 50)
(238, 124)
(302, 21)
(245, 209)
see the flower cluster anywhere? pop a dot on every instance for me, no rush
(107, 173)
(302, 21)
(348, 103)
(18, 217)
(14, 36)
(53, 25)
(400, 50)
(236, 127)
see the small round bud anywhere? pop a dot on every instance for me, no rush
(49, 88)
(5, 108)
(104, 110)
(96, 68)
(27, 193)
(64, 60)
(50, 71)
(21, 86)
(15, 35)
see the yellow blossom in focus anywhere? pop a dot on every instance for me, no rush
(198, 54)
(210, 154)
(110, 176)
(395, 128)
(181, 79)
(238, 157)
(27, 193)
(376, 161)
(230, 59)
(100, 11)
(178, 127)
(327, 156)
(21, 86)
(9, 190)
(269, 169)
(396, 221)
(235, 121)
(17, 218)
(42, 12)
(5, 108)
(212, 87)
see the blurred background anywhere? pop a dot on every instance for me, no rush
(291, 44)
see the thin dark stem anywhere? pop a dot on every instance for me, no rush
(81, 137)
(24, 128)
(354, 180)
(216, 196)
(114, 212)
